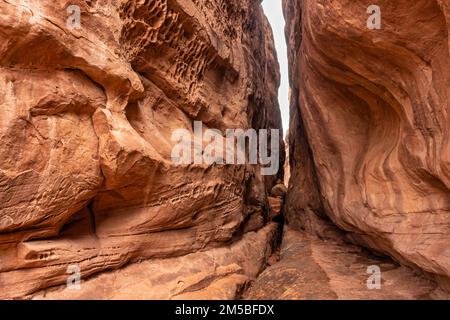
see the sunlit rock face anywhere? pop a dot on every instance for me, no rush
(86, 120)
(370, 127)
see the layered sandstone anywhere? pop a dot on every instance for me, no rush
(86, 119)
(370, 131)
(312, 269)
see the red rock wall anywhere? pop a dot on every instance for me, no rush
(370, 130)
(86, 120)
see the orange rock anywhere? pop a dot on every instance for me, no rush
(312, 269)
(369, 136)
(87, 115)
(276, 207)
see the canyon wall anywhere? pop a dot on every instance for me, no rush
(86, 121)
(370, 126)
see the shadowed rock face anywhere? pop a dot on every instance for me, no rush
(311, 269)
(86, 120)
(369, 135)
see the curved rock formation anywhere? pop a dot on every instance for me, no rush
(370, 126)
(86, 118)
(312, 269)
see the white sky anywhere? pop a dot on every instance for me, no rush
(274, 12)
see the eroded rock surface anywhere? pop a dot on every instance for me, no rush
(312, 269)
(218, 273)
(370, 133)
(86, 121)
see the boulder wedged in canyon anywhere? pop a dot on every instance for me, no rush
(86, 124)
(370, 127)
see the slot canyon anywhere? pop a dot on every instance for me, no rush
(93, 90)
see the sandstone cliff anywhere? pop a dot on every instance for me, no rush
(369, 134)
(86, 119)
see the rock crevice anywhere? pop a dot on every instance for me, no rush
(369, 136)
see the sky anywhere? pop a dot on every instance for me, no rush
(274, 12)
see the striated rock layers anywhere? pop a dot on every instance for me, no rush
(86, 119)
(370, 130)
(311, 269)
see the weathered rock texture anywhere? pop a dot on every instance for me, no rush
(218, 273)
(86, 120)
(312, 269)
(370, 127)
